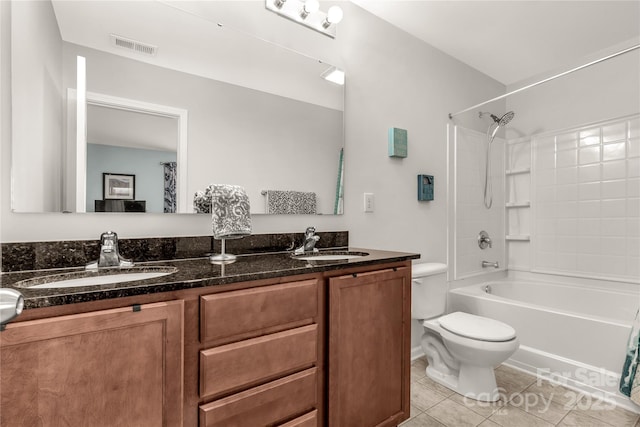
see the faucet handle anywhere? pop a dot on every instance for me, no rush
(108, 236)
(484, 240)
(109, 253)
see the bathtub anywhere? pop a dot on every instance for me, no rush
(569, 333)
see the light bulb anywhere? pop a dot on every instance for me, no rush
(334, 14)
(279, 3)
(310, 6)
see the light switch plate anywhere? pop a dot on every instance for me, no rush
(368, 202)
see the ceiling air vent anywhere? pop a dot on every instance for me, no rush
(136, 46)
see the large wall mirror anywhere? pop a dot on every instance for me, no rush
(134, 106)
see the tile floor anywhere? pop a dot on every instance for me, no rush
(525, 402)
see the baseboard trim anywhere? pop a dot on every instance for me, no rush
(416, 353)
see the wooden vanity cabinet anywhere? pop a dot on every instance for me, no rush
(266, 405)
(262, 353)
(323, 349)
(116, 367)
(369, 348)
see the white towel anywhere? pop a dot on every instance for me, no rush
(291, 202)
(230, 209)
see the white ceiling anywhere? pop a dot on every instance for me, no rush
(122, 128)
(511, 41)
(189, 40)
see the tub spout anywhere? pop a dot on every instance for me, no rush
(486, 264)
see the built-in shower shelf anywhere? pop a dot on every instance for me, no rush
(518, 205)
(517, 171)
(521, 238)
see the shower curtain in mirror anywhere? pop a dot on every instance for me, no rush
(170, 169)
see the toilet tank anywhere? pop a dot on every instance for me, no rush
(428, 290)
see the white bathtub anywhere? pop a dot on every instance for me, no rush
(575, 334)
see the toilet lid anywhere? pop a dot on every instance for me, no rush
(477, 327)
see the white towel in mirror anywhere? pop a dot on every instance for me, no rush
(290, 202)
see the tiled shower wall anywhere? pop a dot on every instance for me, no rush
(470, 215)
(585, 202)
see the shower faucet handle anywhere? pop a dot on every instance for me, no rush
(484, 241)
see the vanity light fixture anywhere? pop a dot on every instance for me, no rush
(309, 6)
(334, 16)
(308, 13)
(334, 75)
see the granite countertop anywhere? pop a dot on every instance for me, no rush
(191, 273)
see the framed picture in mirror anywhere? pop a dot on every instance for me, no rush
(118, 186)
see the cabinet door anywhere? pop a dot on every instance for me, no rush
(116, 367)
(369, 348)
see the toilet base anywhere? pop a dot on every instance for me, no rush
(473, 382)
(464, 365)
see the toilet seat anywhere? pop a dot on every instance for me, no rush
(477, 327)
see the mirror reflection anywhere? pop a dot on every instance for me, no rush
(144, 145)
(165, 114)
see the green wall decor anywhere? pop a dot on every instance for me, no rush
(397, 142)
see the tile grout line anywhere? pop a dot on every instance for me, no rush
(547, 395)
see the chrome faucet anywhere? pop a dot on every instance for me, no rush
(484, 240)
(109, 254)
(490, 264)
(310, 239)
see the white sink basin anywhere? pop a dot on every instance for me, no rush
(330, 256)
(95, 278)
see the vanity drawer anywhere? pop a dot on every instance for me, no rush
(238, 312)
(230, 366)
(307, 420)
(265, 405)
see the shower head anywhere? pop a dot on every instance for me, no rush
(505, 119)
(500, 121)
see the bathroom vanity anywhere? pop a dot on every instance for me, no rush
(268, 340)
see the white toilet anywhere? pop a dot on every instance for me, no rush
(462, 349)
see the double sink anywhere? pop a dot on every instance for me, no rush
(108, 276)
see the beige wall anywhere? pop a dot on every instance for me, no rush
(37, 96)
(393, 80)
